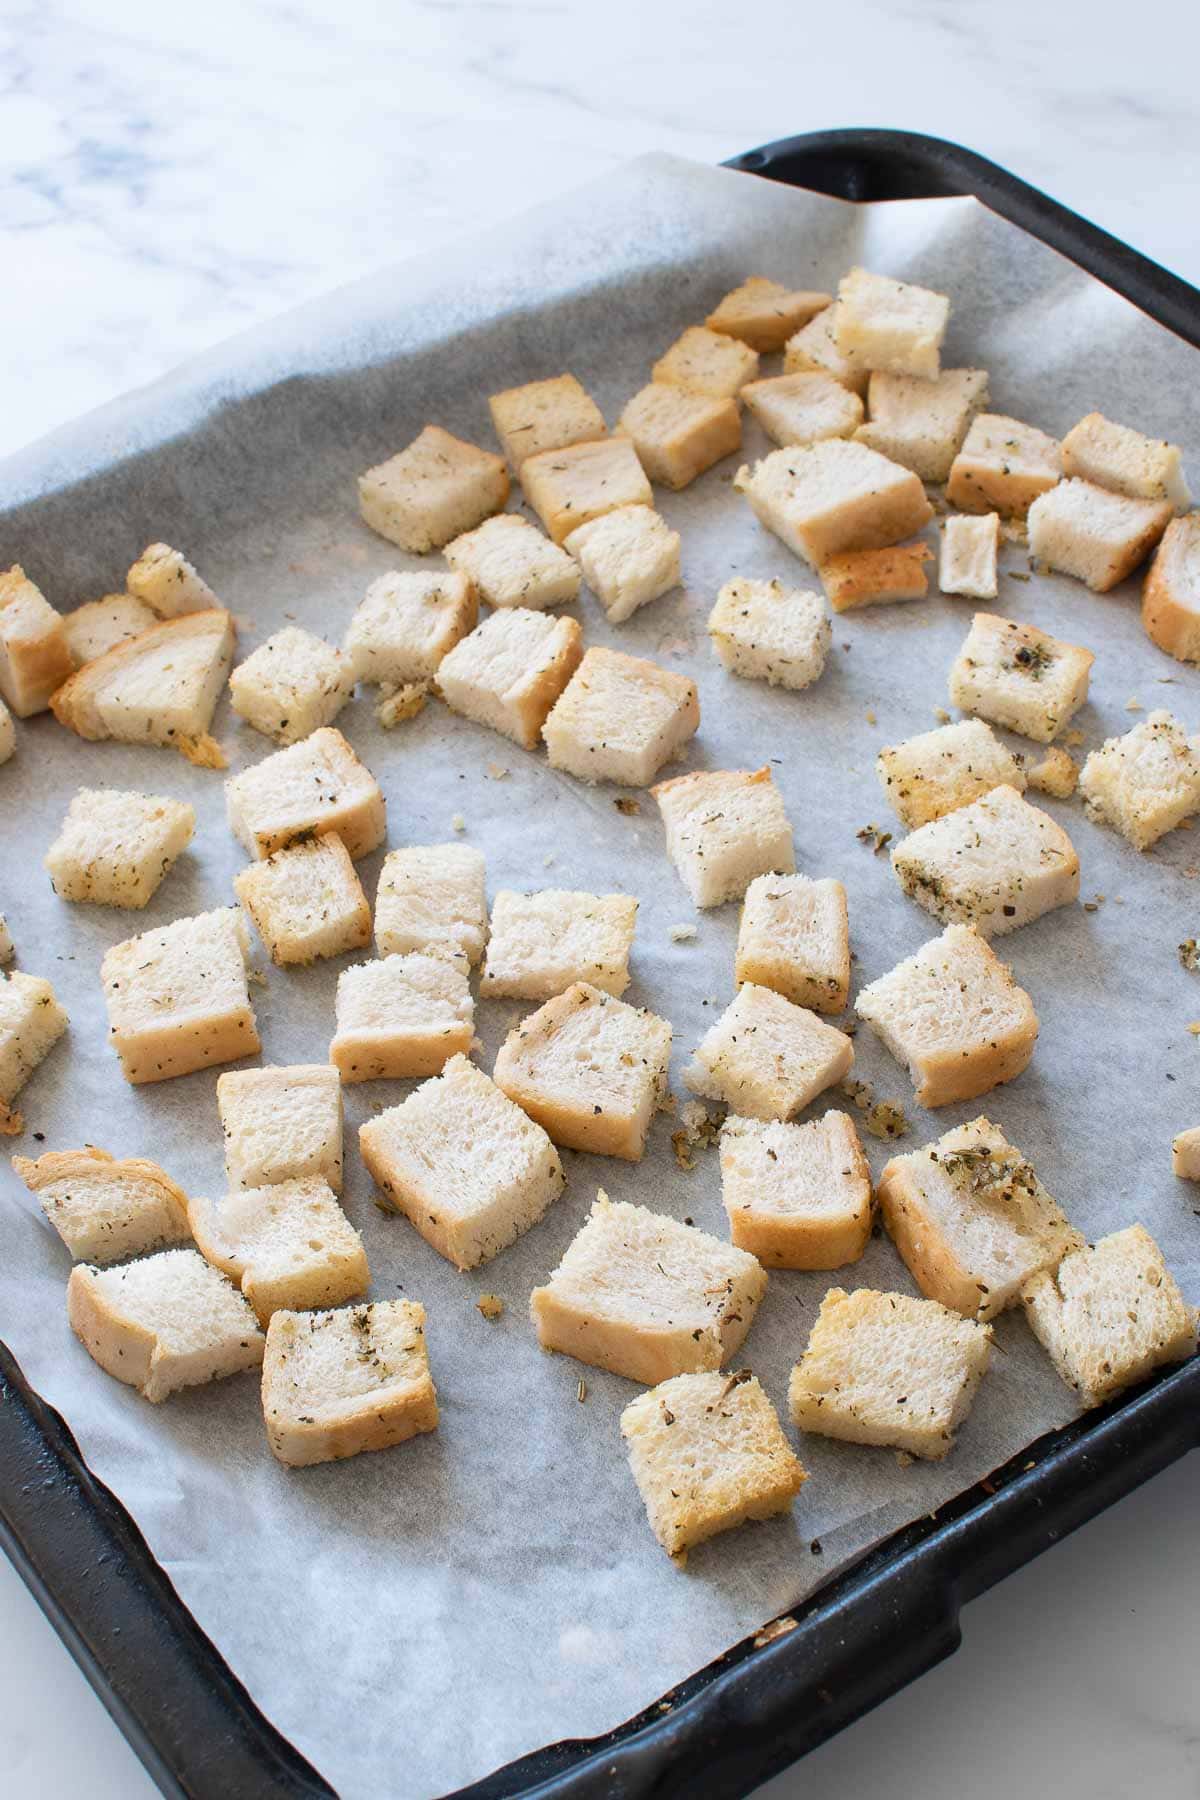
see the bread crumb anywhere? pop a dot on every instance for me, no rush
(697, 1129)
(1133, 704)
(871, 719)
(1073, 739)
(581, 1391)
(682, 934)
(496, 772)
(776, 1629)
(1189, 954)
(549, 860)
(1194, 1027)
(903, 1459)
(398, 703)
(458, 822)
(490, 1305)
(886, 1119)
(625, 803)
(878, 840)
(941, 715)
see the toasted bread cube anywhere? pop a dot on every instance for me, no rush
(876, 577)
(1003, 466)
(724, 827)
(767, 1058)
(431, 896)
(679, 434)
(1145, 783)
(967, 565)
(292, 684)
(921, 424)
(1185, 1154)
(8, 734)
(6, 944)
(1019, 677)
(794, 938)
(997, 863)
(1100, 538)
(286, 1245)
(543, 942)
(971, 1219)
(545, 415)
(163, 1323)
(100, 624)
(432, 491)
(803, 408)
(402, 1016)
(814, 349)
(315, 786)
(31, 1023)
(821, 499)
(1055, 773)
(766, 632)
(406, 624)
(281, 1124)
(644, 1296)
(568, 488)
(178, 999)
(707, 362)
(168, 584)
(306, 901)
(105, 1210)
(464, 1164)
(114, 847)
(954, 1016)
(160, 687)
(628, 558)
(510, 563)
(938, 771)
(590, 1069)
(337, 1383)
(1170, 594)
(510, 670)
(892, 325)
(1125, 462)
(889, 1370)
(1110, 1315)
(798, 1196)
(620, 718)
(35, 656)
(765, 314)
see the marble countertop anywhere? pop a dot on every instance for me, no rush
(169, 175)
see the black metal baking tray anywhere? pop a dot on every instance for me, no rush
(876, 1626)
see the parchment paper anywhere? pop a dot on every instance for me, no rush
(415, 1618)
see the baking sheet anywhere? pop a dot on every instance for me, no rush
(413, 1619)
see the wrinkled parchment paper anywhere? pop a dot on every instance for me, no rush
(413, 1619)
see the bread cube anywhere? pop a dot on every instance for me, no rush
(178, 999)
(160, 687)
(100, 624)
(163, 1323)
(281, 1124)
(1019, 677)
(954, 1016)
(31, 1023)
(115, 847)
(876, 577)
(646, 1297)
(1003, 466)
(312, 787)
(286, 1245)
(892, 325)
(402, 1016)
(814, 349)
(431, 896)
(292, 684)
(306, 901)
(406, 624)
(338, 1383)
(798, 1196)
(679, 434)
(765, 314)
(543, 942)
(767, 1058)
(1170, 594)
(105, 1210)
(793, 937)
(620, 718)
(804, 408)
(590, 1069)
(510, 671)
(936, 772)
(820, 499)
(1185, 1154)
(35, 657)
(997, 863)
(628, 558)
(545, 415)
(767, 632)
(724, 827)
(568, 488)
(464, 1164)
(707, 362)
(510, 563)
(432, 491)
(1056, 773)
(1125, 462)
(1100, 538)
(967, 565)
(889, 1370)
(8, 734)
(921, 424)
(1110, 1315)
(1145, 783)
(168, 584)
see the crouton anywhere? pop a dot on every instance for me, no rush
(767, 1058)
(8, 734)
(1019, 677)
(510, 563)
(100, 624)
(432, 491)
(723, 827)
(306, 901)
(178, 999)
(1056, 773)
(814, 349)
(31, 1023)
(620, 718)
(765, 314)
(793, 937)
(568, 488)
(1170, 594)
(921, 424)
(431, 895)
(1185, 1154)
(1125, 462)
(105, 1210)
(679, 434)
(803, 408)
(997, 863)
(337, 1383)
(35, 656)
(114, 848)
(1003, 466)
(168, 584)
(545, 415)
(892, 325)
(542, 943)
(160, 687)
(292, 684)
(402, 1016)
(286, 1245)
(510, 670)
(798, 1196)
(281, 1123)
(707, 362)
(315, 786)
(1100, 538)
(1145, 783)
(821, 499)
(938, 771)
(876, 577)
(766, 632)
(629, 557)
(967, 565)
(405, 625)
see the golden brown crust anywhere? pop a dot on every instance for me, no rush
(876, 577)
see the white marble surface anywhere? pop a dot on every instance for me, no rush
(170, 174)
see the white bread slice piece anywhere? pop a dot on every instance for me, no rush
(814, 348)
(1019, 677)
(291, 685)
(921, 424)
(406, 624)
(337, 1383)
(163, 1323)
(306, 901)
(115, 847)
(463, 1163)
(821, 499)
(1100, 538)
(105, 1210)
(168, 584)
(765, 313)
(708, 1453)
(876, 577)
(707, 362)
(644, 1296)
(541, 943)
(590, 1069)
(1171, 592)
(430, 896)
(971, 1219)
(402, 1016)
(894, 325)
(160, 687)
(35, 657)
(953, 1016)
(1185, 1154)
(510, 670)
(679, 434)
(288, 1245)
(7, 950)
(997, 864)
(967, 563)
(723, 827)
(938, 771)
(544, 415)
(567, 488)
(766, 632)
(620, 718)
(8, 734)
(31, 1023)
(315, 786)
(178, 999)
(889, 1370)
(767, 1058)
(1003, 466)
(1144, 783)
(281, 1123)
(1122, 460)
(803, 408)
(1055, 773)
(628, 558)
(431, 491)
(100, 624)
(793, 937)
(1111, 1314)
(798, 1196)
(509, 562)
